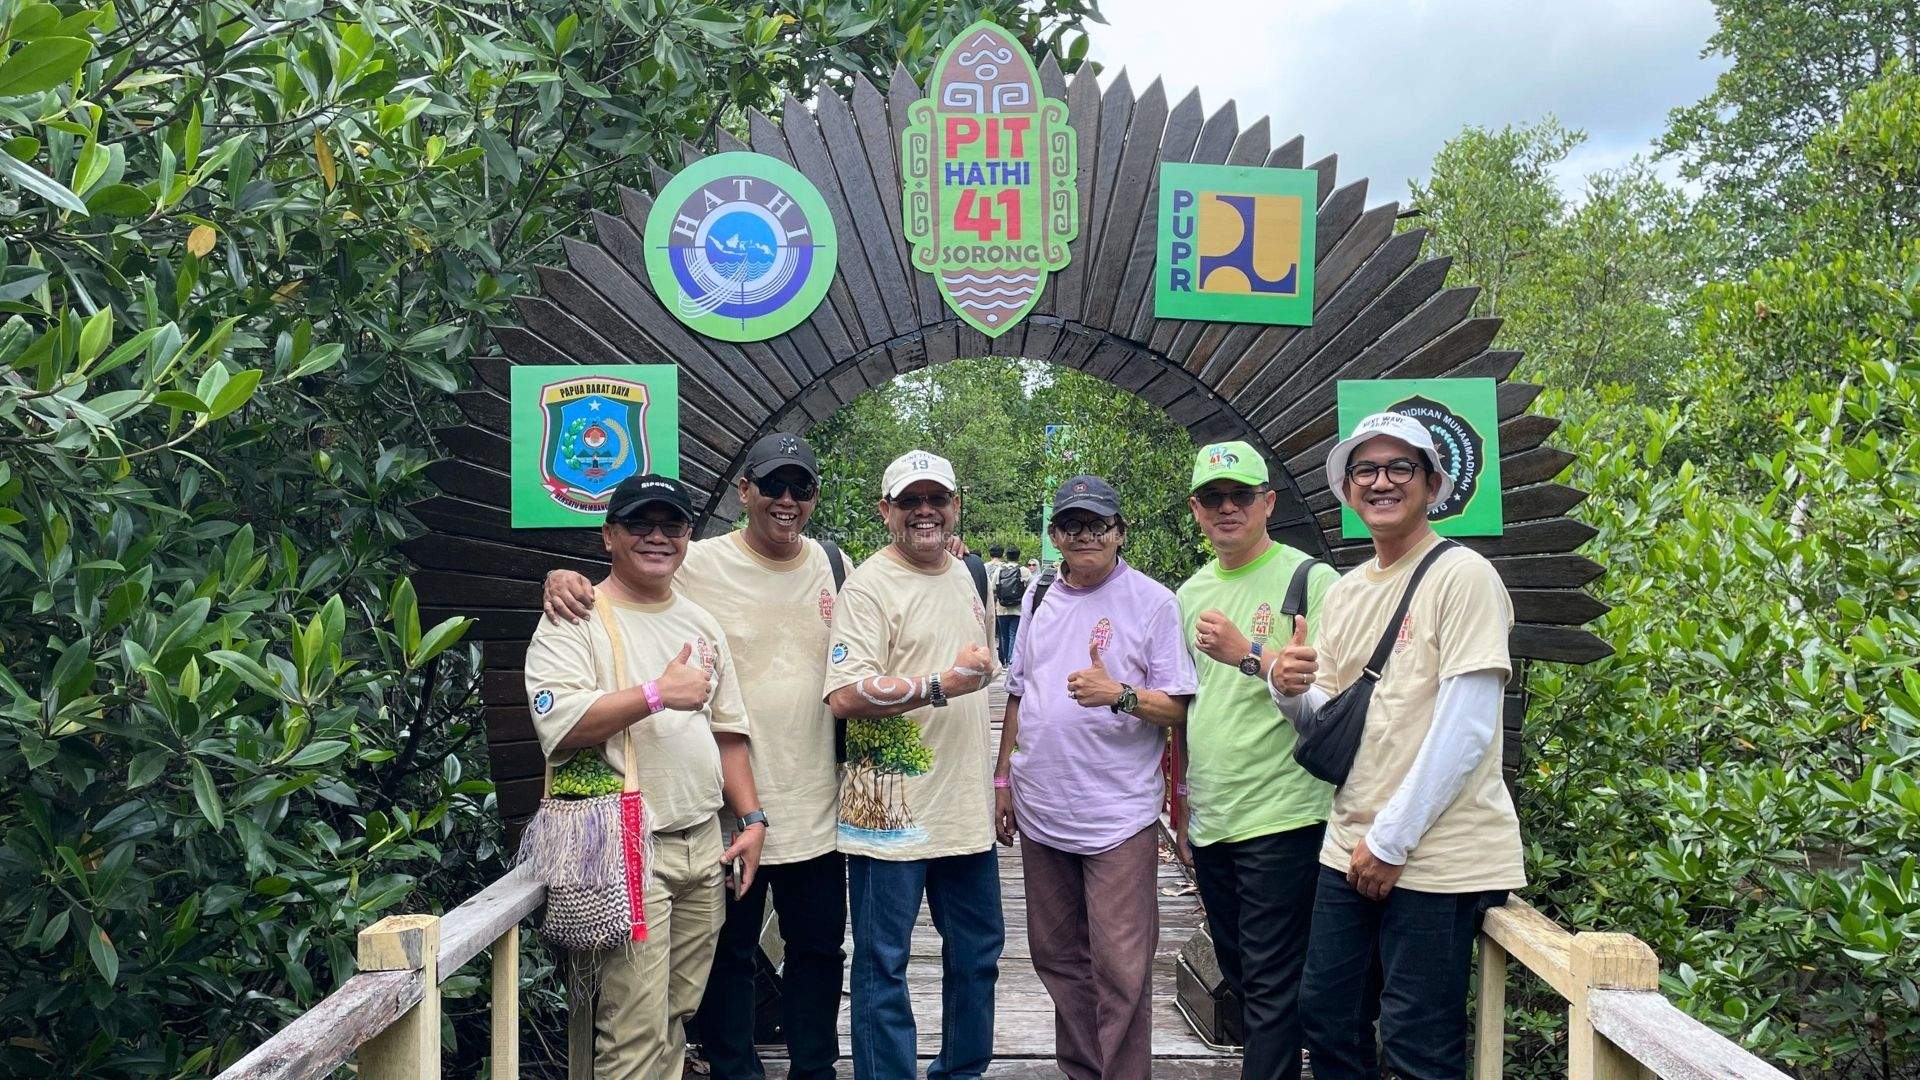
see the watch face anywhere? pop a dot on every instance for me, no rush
(1250, 665)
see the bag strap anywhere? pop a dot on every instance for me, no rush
(979, 571)
(836, 561)
(1296, 599)
(1040, 590)
(630, 775)
(1376, 666)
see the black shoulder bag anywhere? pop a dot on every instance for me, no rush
(1330, 738)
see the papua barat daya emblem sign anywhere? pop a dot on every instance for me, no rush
(989, 164)
(577, 431)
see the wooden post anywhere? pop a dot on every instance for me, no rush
(506, 1005)
(1490, 1012)
(1611, 962)
(410, 1049)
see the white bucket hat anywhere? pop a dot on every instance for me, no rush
(1400, 426)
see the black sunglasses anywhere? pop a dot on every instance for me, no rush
(773, 487)
(672, 530)
(939, 500)
(1242, 497)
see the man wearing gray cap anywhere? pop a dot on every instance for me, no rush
(909, 658)
(1422, 839)
(772, 592)
(1100, 675)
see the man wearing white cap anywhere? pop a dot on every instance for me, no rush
(910, 654)
(1423, 838)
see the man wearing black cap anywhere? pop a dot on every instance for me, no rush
(773, 592)
(649, 684)
(1100, 675)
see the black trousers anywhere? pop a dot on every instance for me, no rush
(1259, 899)
(1405, 959)
(811, 899)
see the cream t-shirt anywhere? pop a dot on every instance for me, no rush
(571, 665)
(1458, 623)
(777, 616)
(918, 786)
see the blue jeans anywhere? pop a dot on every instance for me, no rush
(1406, 960)
(1005, 628)
(963, 893)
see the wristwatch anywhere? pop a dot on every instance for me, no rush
(936, 697)
(1129, 700)
(753, 817)
(1250, 664)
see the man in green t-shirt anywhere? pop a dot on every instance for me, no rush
(1252, 817)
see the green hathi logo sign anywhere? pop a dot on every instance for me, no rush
(989, 162)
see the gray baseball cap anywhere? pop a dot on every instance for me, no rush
(1089, 493)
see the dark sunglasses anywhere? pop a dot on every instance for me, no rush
(773, 487)
(672, 530)
(1242, 497)
(939, 500)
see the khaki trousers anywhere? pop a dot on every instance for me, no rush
(634, 1027)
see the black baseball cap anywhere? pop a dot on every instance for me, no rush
(1086, 492)
(778, 450)
(636, 493)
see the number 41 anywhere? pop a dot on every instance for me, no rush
(983, 224)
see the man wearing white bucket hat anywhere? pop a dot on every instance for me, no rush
(1423, 838)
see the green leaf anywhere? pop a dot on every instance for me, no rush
(206, 795)
(319, 753)
(440, 637)
(100, 947)
(234, 394)
(42, 64)
(180, 399)
(318, 360)
(119, 200)
(40, 184)
(249, 671)
(147, 765)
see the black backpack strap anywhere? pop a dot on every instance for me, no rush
(1040, 589)
(836, 560)
(1378, 664)
(979, 571)
(1296, 601)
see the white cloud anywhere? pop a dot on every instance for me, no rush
(1384, 83)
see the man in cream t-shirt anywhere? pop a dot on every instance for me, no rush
(773, 592)
(1423, 838)
(908, 661)
(648, 682)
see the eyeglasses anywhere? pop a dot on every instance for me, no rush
(773, 487)
(1399, 470)
(1093, 527)
(1242, 497)
(672, 530)
(939, 500)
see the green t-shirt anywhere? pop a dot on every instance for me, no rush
(1242, 781)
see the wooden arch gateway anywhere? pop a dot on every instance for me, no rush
(1380, 311)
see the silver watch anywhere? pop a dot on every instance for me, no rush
(936, 697)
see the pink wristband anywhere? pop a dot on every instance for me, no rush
(1002, 781)
(651, 688)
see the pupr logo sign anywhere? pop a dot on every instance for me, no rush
(1236, 244)
(740, 247)
(990, 203)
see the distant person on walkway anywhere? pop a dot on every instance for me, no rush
(1423, 838)
(772, 592)
(1009, 583)
(996, 558)
(659, 665)
(909, 660)
(1255, 816)
(1096, 680)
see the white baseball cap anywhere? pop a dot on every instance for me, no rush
(1400, 426)
(916, 465)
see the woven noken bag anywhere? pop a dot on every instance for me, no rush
(594, 855)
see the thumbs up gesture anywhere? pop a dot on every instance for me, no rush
(1298, 665)
(684, 685)
(1091, 687)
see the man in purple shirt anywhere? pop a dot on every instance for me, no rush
(1099, 671)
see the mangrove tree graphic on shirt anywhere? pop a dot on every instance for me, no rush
(881, 755)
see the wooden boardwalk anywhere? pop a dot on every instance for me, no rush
(1023, 1013)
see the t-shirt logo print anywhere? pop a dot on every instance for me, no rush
(1102, 635)
(1404, 639)
(826, 607)
(543, 703)
(1262, 624)
(709, 660)
(980, 613)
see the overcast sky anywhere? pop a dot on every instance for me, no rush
(1383, 83)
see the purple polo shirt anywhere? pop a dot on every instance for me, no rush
(1085, 780)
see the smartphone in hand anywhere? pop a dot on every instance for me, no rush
(736, 872)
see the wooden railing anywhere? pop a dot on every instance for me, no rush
(390, 1011)
(1619, 1025)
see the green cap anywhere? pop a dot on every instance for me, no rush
(1228, 461)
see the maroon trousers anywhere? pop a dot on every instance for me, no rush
(1093, 923)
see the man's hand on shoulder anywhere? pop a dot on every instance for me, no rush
(567, 596)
